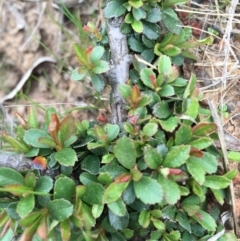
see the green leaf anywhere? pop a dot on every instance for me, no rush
(66, 128)
(151, 30)
(195, 169)
(190, 87)
(91, 164)
(32, 118)
(97, 82)
(144, 218)
(125, 90)
(76, 76)
(112, 131)
(94, 193)
(182, 219)
(170, 124)
(171, 50)
(118, 207)
(167, 91)
(147, 77)
(148, 190)
(86, 178)
(25, 205)
(138, 13)
(177, 156)
(152, 157)
(117, 222)
(162, 110)
(234, 155)
(171, 21)
(183, 135)
(114, 191)
(172, 236)
(192, 109)
(171, 190)
(205, 220)
(97, 210)
(136, 45)
(44, 184)
(154, 15)
(31, 137)
(164, 64)
(66, 157)
(96, 53)
(150, 129)
(125, 152)
(204, 129)
(29, 219)
(135, 3)
(114, 9)
(64, 187)
(60, 209)
(9, 176)
(216, 182)
(201, 143)
(100, 66)
(137, 26)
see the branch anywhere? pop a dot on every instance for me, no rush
(15, 161)
(119, 68)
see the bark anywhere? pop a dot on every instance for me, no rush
(15, 161)
(119, 67)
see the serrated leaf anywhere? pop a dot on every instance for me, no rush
(117, 222)
(64, 187)
(147, 77)
(66, 157)
(9, 176)
(125, 152)
(44, 184)
(170, 124)
(205, 220)
(152, 157)
(171, 190)
(114, 9)
(136, 45)
(114, 191)
(151, 30)
(162, 110)
(32, 118)
(31, 137)
(183, 135)
(150, 129)
(91, 164)
(216, 182)
(154, 15)
(195, 169)
(171, 21)
(118, 207)
(60, 209)
(177, 156)
(138, 13)
(201, 143)
(112, 131)
(167, 91)
(25, 205)
(93, 194)
(149, 186)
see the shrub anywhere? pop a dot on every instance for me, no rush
(148, 172)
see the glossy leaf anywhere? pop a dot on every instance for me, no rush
(118, 207)
(117, 222)
(44, 184)
(91, 164)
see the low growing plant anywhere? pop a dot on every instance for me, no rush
(149, 172)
